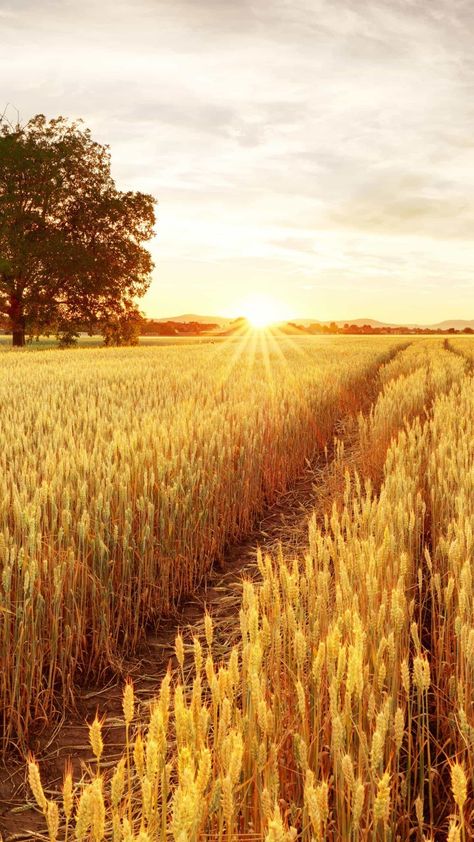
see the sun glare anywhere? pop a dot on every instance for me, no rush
(261, 311)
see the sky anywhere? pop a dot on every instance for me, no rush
(318, 152)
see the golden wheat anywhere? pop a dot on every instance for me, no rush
(123, 476)
(346, 710)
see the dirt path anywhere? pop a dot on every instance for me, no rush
(285, 525)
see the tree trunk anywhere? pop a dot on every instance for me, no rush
(18, 322)
(18, 338)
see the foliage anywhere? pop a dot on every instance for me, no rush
(123, 328)
(67, 338)
(71, 243)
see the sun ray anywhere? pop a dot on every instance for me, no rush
(242, 341)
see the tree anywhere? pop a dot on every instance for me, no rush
(71, 244)
(124, 328)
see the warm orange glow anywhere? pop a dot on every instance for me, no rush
(262, 310)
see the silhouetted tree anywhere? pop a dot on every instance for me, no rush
(71, 244)
(123, 328)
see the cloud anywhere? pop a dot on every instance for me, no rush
(318, 138)
(411, 204)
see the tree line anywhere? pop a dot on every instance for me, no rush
(368, 330)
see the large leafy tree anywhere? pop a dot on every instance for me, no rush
(71, 245)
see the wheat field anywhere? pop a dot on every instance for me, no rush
(345, 710)
(123, 476)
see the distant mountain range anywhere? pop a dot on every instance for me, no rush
(193, 317)
(457, 324)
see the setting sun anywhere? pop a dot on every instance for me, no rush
(262, 310)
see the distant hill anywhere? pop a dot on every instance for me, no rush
(223, 322)
(342, 322)
(457, 324)
(362, 322)
(193, 317)
(234, 327)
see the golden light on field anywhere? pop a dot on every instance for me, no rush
(329, 638)
(261, 311)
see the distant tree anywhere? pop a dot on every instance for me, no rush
(150, 327)
(67, 337)
(71, 244)
(123, 328)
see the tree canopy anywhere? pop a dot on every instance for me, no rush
(71, 244)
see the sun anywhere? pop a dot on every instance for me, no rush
(261, 310)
